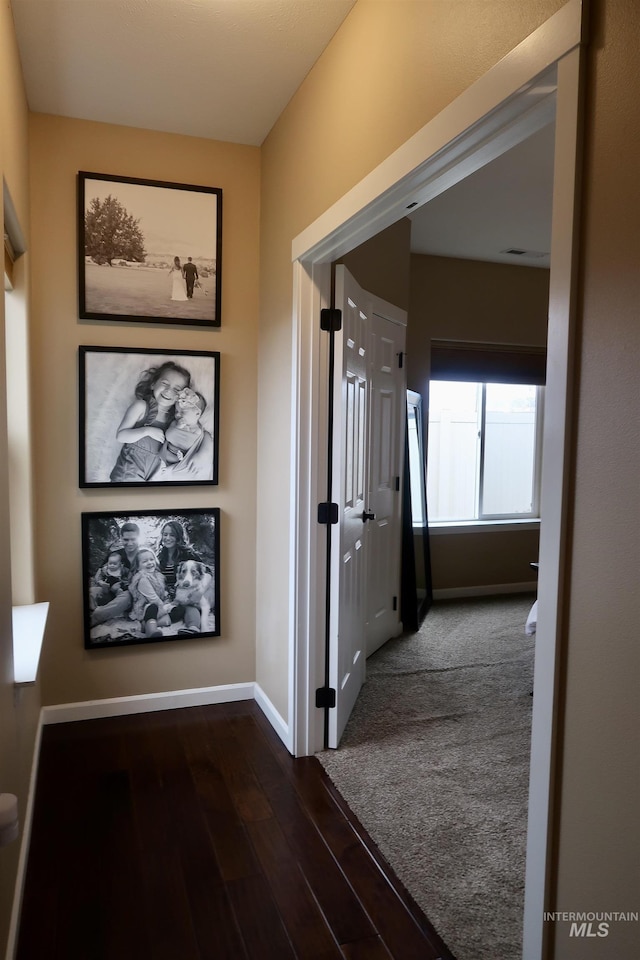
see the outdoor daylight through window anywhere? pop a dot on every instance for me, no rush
(483, 451)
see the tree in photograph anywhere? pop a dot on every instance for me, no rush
(111, 233)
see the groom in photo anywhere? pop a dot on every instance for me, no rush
(190, 272)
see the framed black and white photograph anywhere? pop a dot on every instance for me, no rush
(148, 250)
(150, 576)
(148, 416)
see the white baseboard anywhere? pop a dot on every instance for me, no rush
(174, 700)
(147, 703)
(14, 922)
(281, 728)
(485, 590)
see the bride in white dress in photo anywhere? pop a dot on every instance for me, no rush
(178, 285)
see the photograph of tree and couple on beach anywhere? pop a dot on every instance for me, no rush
(148, 250)
(150, 576)
(148, 416)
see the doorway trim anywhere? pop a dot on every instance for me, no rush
(538, 80)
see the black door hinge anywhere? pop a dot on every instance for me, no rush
(327, 512)
(331, 319)
(325, 697)
(400, 360)
(395, 603)
(397, 484)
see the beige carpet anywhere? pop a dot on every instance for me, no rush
(435, 763)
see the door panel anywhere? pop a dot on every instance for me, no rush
(386, 444)
(367, 449)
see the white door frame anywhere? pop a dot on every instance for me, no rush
(510, 102)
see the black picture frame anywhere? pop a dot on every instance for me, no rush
(123, 269)
(132, 593)
(117, 389)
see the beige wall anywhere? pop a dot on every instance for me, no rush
(382, 264)
(59, 148)
(19, 708)
(389, 69)
(599, 829)
(477, 559)
(455, 299)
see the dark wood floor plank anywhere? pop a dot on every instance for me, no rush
(213, 921)
(258, 919)
(233, 850)
(335, 897)
(371, 949)
(249, 800)
(79, 879)
(117, 889)
(89, 805)
(298, 909)
(164, 900)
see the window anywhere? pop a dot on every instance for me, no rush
(18, 464)
(483, 448)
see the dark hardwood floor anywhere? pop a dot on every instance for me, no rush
(193, 835)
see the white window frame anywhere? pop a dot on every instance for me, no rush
(486, 519)
(534, 513)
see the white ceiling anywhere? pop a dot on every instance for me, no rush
(506, 205)
(219, 69)
(225, 70)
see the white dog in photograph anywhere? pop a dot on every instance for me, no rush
(195, 588)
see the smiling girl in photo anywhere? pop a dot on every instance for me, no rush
(142, 430)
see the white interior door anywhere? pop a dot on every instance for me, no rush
(387, 424)
(365, 465)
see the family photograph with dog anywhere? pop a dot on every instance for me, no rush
(150, 576)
